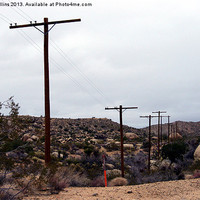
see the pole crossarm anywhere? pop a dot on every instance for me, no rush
(123, 108)
(148, 116)
(42, 24)
(160, 112)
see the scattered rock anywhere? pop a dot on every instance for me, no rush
(197, 154)
(11, 154)
(131, 136)
(175, 136)
(35, 138)
(128, 146)
(26, 137)
(109, 166)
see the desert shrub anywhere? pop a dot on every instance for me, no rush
(119, 181)
(112, 146)
(174, 151)
(57, 178)
(92, 166)
(11, 145)
(39, 154)
(6, 194)
(196, 174)
(98, 182)
(158, 176)
(74, 178)
(58, 182)
(138, 167)
(88, 149)
(195, 166)
(145, 144)
(111, 174)
(6, 163)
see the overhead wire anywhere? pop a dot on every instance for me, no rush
(63, 54)
(68, 59)
(4, 18)
(38, 48)
(58, 66)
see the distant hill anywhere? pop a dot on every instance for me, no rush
(183, 128)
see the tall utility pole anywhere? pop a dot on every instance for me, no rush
(149, 154)
(121, 109)
(168, 129)
(46, 75)
(159, 112)
(176, 131)
(161, 130)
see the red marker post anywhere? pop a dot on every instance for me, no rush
(104, 168)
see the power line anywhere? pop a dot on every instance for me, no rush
(60, 68)
(56, 64)
(18, 12)
(66, 58)
(4, 18)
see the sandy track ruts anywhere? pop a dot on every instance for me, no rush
(170, 190)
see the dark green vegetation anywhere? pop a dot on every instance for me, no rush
(77, 147)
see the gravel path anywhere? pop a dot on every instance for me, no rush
(181, 190)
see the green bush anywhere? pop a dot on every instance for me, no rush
(11, 145)
(174, 151)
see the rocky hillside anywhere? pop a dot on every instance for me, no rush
(183, 128)
(97, 128)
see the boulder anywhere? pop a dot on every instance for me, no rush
(26, 137)
(197, 154)
(29, 140)
(131, 136)
(109, 166)
(175, 136)
(119, 181)
(165, 164)
(74, 157)
(128, 146)
(35, 138)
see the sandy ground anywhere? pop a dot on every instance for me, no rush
(183, 190)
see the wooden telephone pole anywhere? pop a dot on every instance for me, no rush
(149, 153)
(121, 109)
(159, 112)
(168, 123)
(46, 75)
(161, 135)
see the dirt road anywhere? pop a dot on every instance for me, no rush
(171, 190)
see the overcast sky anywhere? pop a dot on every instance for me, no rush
(143, 53)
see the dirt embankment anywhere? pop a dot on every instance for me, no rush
(171, 190)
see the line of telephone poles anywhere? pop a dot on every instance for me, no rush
(160, 136)
(120, 109)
